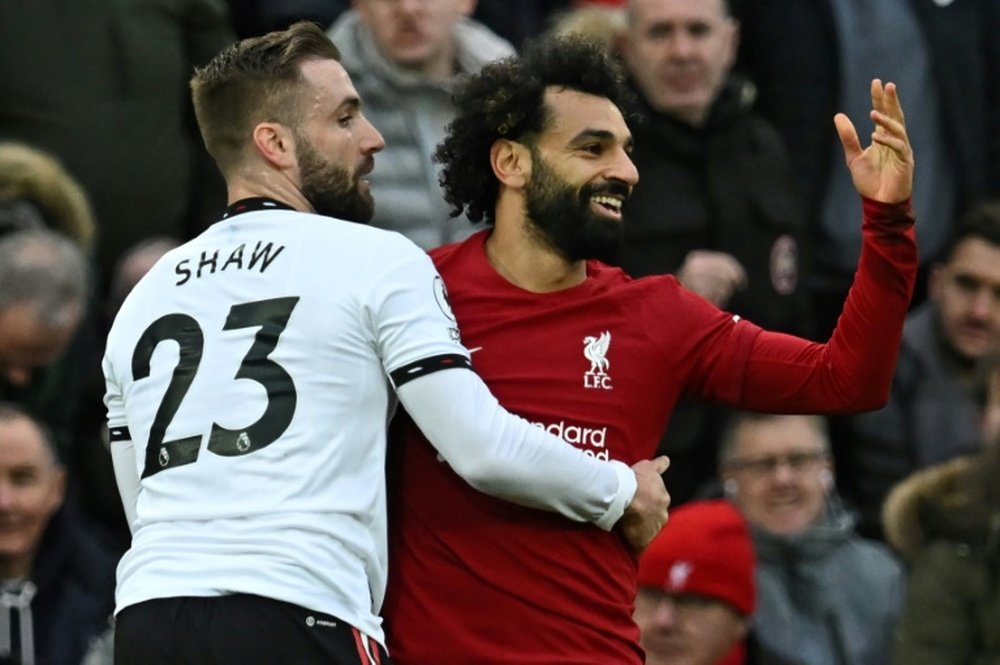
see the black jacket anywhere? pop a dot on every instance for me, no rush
(74, 575)
(723, 186)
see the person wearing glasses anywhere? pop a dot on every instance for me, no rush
(825, 595)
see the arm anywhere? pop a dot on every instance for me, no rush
(122, 450)
(504, 455)
(853, 371)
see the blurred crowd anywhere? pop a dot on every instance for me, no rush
(864, 539)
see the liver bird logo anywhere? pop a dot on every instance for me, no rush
(595, 349)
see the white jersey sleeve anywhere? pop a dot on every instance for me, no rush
(494, 450)
(501, 454)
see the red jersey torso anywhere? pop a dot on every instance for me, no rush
(478, 580)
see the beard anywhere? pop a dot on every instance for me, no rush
(563, 217)
(330, 189)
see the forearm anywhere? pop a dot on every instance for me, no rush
(853, 371)
(505, 456)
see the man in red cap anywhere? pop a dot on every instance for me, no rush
(696, 588)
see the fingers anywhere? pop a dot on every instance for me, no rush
(661, 463)
(848, 136)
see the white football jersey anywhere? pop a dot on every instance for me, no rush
(249, 367)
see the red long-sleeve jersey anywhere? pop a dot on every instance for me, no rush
(477, 581)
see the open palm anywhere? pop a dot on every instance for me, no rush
(884, 170)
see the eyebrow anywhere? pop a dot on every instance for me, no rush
(603, 135)
(352, 103)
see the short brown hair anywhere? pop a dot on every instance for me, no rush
(252, 81)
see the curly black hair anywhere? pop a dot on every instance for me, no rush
(506, 100)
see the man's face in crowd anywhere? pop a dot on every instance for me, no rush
(412, 33)
(684, 629)
(31, 490)
(781, 473)
(335, 145)
(27, 342)
(581, 175)
(966, 292)
(679, 53)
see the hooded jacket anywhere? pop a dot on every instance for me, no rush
(952, 610)
(827, 596)
(411, 112)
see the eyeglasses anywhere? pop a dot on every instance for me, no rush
(765, 466)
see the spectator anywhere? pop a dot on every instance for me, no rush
(56, 582)
(696, 590)
(810, 59)
(404, 58)
(539, 151)
(715, 203)
(43, 295)
(102, 86)
(824, 594)
(36, 192)
(945, 521)
(933, 410)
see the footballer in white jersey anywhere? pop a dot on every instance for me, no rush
(250, 368)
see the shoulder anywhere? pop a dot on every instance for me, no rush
(478, 45)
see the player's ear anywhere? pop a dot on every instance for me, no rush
(511, 162)
(275, 143)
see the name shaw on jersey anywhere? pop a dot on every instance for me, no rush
(589, 439)
(258, 258)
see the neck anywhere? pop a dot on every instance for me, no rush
(15, 567)
(523, 258)
(267, 184)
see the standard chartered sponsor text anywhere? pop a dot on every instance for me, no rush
(589, 439)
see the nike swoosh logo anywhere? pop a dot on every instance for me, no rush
(478, 348)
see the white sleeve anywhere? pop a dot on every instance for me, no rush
(120, 443)
(503, 455)
(127, 478)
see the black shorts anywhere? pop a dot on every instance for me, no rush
(237, 629)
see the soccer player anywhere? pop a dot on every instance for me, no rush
(540, 150)
(248, 389)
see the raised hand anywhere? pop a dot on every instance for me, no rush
(647, 513)
(884, 170)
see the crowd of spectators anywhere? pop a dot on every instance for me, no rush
(741, 195)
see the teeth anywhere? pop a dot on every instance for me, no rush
(609, 201)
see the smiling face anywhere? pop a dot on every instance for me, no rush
(335, 144)
(581, 175)
(781, 471)
(31, 489)
(679, 53)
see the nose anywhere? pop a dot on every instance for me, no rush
(408, 6)
(373, 141)
(666, 613)
(681, 44)
(783, 471)
(982, 303)
(624, 169)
